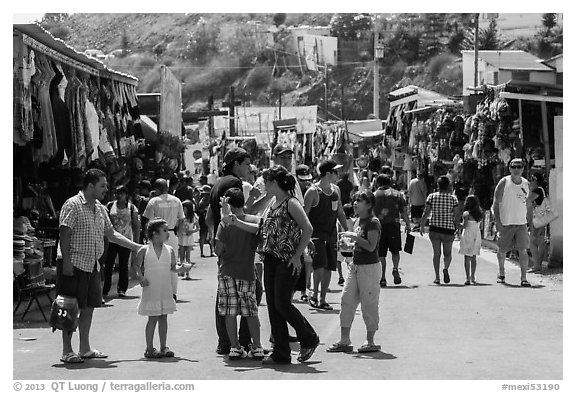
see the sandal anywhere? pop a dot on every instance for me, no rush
(501, 279)
(153, 354)
(313, 302)
(93, 354)
(71, 358)
(437, 281)
(304, 298)
(325, 306)
(467, 282)
(167, 353)
(369, 348)
(340, 347)
(525, 284)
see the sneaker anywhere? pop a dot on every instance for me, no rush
(237, 353)
(341, 281)
(256, 353)
(397, 279)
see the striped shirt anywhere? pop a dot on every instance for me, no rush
(88, 227)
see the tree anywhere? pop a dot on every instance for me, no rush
(431, 39)
(549, 22)
(279, 19)
(352, 27)
(202, 42)
(488, 38)
(54, 24)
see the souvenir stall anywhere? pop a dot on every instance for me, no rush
(423, 134)
(70, 113)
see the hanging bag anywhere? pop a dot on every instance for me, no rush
(544, 214)
(64, 313)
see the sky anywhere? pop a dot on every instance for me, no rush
(26, 18)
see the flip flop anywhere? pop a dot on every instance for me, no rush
(313, 302)
(71, 358)
(325, 306)
(339, 347)
(501, 279)
(369, 348)
(525, 284)
(93, 354)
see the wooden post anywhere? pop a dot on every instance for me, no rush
(210, 118)
(231, 113)
(376, 97)
(521, 125)
(546, 136)
(476, 22)
(279, 105)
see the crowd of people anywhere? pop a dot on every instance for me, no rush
(276, 233)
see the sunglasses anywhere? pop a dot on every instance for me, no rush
(516, 166)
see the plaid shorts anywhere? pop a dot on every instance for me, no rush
(236, 297)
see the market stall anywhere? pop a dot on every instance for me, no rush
(70, 113)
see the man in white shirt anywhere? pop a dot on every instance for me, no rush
(417, 193)
(168, 208)
(510, 212)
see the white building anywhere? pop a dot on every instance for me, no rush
(557, 62)
(496, 67)
(516, 25)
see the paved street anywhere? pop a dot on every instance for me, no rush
(447, 332)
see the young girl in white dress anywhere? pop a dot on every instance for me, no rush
(471, 239)
(186, 236)
(157, 302)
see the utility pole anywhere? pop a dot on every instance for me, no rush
(378, 54)
(342, 101)
(210, 119)
(326, 91)
(231, 113)
(476, 17)
(279, 105)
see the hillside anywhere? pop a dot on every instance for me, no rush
(208, 61)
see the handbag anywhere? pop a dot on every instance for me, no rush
(64, 313)
(544, 214)
(409, 245)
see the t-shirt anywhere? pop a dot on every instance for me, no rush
(389, 204)
(417, 191)
(346, 188)
(122, 218)
(222, 185)
(166, 207)
(237, 258)
(362, 227)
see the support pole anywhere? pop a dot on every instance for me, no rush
(476, 17)
(232, 113)
(376, 99)
(546, 136)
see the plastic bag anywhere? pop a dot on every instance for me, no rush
(64, 313)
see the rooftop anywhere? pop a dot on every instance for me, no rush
(510, 60)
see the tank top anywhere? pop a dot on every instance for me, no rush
(513, 205)
(279, 234)
(323, 216)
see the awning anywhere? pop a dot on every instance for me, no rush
(149, 128)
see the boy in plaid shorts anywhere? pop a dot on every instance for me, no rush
(236, 249)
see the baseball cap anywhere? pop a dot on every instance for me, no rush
(206, 189)
(280, 149)
(327, 166)
(235, 154)
(303, 172)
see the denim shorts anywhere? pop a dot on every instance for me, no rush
(440, 237)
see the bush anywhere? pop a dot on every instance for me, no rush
(146, 61)
(439, 62)
(259, 78)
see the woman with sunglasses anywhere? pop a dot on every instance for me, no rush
(285, 233)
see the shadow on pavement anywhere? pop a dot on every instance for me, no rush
(191, 279)
(125, 297)
(314, 311)
(401, 287)
(448, 285)
(182, 301)
(104, 363)
(534, 286)
(374, 355)
(292, 368)
(481, 284)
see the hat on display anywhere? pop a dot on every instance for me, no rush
(281, 149)
(303, 172)
(327, 166)
(206, 189)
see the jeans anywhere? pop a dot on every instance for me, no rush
(123, 258)
(279, 282)
(244, 336)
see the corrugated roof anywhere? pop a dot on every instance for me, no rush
(38, 33)
(511, 60)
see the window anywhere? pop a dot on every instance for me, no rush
(521, 76)
(560, 78)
